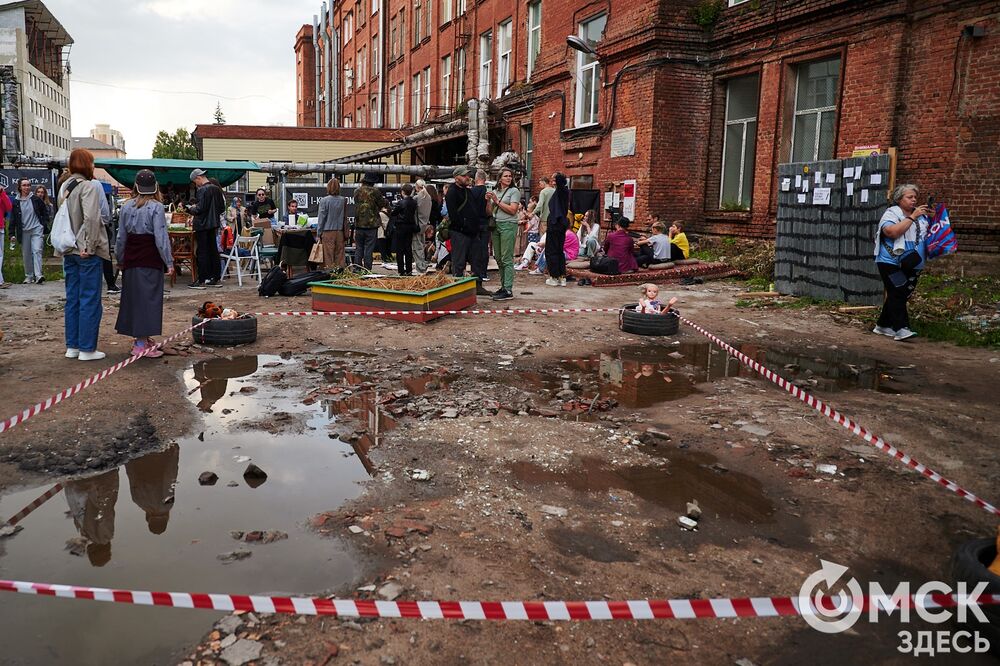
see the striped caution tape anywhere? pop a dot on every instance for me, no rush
(383, 313)
(48, 404)
(845, 421)
(26, 511)
(649, 609)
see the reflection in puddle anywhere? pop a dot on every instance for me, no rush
(154, 527)
(687, 476)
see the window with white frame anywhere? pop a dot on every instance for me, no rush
(374, 54)
(362, 115)
(415, 105)
(733, 3)
(376, 4)
(446, 82)
(588, 73)
(373, 110)
(460, 63)
(427, 90)
(392, 107)
(362, 66)
(534, 34)
(348, 26)
(393, 37)
(460, 7)
(401, 103)
(359, 118)
(485, 63)
(815, 120)
(418, 23)
(528, 146)
(348, 79)
(360, 14)
(739, 146)
(447, 10)
(428, 17)
(504, 38)
(348, 121)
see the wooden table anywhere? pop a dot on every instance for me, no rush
(182, 248)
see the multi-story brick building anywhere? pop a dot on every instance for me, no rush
(716, 93)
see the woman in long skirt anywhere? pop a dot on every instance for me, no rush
(143, 252)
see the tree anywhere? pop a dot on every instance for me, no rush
(176, 146)
(220, 117)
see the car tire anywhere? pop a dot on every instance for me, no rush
(225, 332)
(640, 323)
(969, 565)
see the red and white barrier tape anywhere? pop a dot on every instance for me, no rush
(48, 404)
(26, 511)
(383, 313)
(837, 417)
(649, 609)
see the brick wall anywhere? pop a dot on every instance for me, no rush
(305, 74)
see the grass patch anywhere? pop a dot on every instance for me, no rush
(13, 264)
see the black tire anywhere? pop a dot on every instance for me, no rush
(968, 565)
(641, 323)
(225, 332)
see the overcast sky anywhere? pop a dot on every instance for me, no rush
(150, 55)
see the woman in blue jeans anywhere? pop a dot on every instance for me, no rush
(83, 264)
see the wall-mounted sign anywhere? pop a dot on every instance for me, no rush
(623, 142)
(628, 199)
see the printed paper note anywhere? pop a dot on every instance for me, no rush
(802, 198)
(876, 179)
(798, 180)
(821, 196)
(850, 189)
(831, 178)
(849, 172)
(819, 177)
(864, 196)
(786, 184)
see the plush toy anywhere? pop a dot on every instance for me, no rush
(209, 311)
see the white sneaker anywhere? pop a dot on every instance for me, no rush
(535, 272)
(520, 267)
(92, 356)
(386, 264)
(72, 353)
(552, 282)
(562, 282)
(904, 334)
(884, 330)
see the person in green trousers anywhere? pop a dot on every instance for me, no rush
(505, 201)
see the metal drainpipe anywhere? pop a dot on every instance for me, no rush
(381, 63)
(316, 64)
(335, 78)
(331, 101)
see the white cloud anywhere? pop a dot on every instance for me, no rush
(181, 10)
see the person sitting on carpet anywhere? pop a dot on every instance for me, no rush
(655, 248)
(618, 245)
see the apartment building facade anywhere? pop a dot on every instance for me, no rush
(696, 101)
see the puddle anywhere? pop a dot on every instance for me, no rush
(150, 526)
(688, 475)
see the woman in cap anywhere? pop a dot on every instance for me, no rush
(143, 252)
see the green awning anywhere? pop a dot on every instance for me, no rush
(175, 172)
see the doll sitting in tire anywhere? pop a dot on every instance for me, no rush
(649, 316)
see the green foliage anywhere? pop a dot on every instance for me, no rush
(734, 207)
(13, 264)
(176, 146)
(220, 117)
(707, 12)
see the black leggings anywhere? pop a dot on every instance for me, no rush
(555, 249)
(404, 253)
(109, 268)
(894, 313)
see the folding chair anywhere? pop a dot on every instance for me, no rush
(248, 259)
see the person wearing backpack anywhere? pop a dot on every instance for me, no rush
(82, 264)
(404, 221)
(506, 203)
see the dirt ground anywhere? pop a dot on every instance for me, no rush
(530, 496)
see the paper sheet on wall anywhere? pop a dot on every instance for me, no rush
(786, 184)
(819, 177)
(850, 189)
(876, 179)
(821, 196)
(864, 196)
(857, 172)
(798, 180)
(831, 178)
(802, 198)
(616, 200)
(609, 199)
(849, 172)
(805, 184)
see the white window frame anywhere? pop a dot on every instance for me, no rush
(745, 122)
(587, 117)
(818, 111)
(461, 63)
(373, 102)
(460, 8)
(485, 64)
(348, 121)
(447, 11)
(733, 3)
(446, 81)
(392, 107)
(348, 26)
(362, 68)
(534, 34)
(349, 79)
(415, 100)
(418, 23)
(376, 4)
(505, 36)
(427, 91)
(401, 93)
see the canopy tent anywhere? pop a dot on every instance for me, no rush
(175, 172)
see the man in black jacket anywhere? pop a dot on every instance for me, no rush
(404, 221)
(209, 206)
(463, 216)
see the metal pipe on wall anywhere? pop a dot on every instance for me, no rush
(381, 63)
(316, 87)
(331, 101)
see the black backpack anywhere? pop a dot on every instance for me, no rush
(604, 265)
(272, 282)
(300, 283)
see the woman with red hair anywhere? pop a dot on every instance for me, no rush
(82, 264)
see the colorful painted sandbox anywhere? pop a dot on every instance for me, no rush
(338, 296)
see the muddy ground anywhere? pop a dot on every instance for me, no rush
(548, 458)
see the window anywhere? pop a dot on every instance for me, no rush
(739, 142)
(359, 115)
(429, 17)
(446, 10)
(373, 105)
(348, 121)
(588, 73)
(733, 3)
(374, 52)
(534, 34)
(402, 32)
(460, 76)
(446, 82)
(348, 79)
(815, 119)
(348, 26)
(393, 34)
(503, 55)
(460, 8)
(392, 107)
(485, 63)
(415, 105)
(418, 23)
(401, 105)
(528, 147)
(359, 13)
(427, 90)
(375, 6)
(362, 65)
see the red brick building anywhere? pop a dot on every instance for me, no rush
(717, 93)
